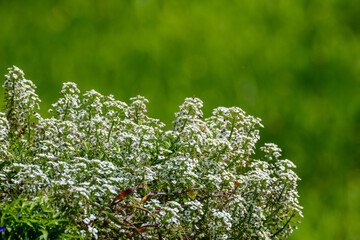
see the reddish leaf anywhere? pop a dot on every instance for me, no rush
(148, 196)
(143, 186)
(123, 194)
(143, 229)
(191, 194)
(106, 222)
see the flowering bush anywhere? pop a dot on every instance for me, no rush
(114, 173)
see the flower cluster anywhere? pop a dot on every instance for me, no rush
(113, 172)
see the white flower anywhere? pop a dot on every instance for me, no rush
(59, 109)
(106, 153)
(86, 220)
(83, 233)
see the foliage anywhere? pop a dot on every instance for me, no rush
(112, 171)
(31, 219)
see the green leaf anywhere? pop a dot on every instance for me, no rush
(57, 214)
(29, 224)
(44, 235)
(114, 219)
(2, 165)
(13, 203)
(31, 204)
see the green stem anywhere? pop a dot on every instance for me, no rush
(287, 222)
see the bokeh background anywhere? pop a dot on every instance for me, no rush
(295, 64)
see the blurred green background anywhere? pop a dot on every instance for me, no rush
(294, 64)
